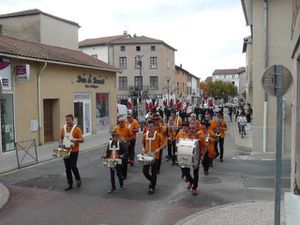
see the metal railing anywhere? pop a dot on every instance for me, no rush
(26, 153)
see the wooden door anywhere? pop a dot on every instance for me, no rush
(48, 120)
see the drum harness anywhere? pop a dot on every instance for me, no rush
(150, 139)
(114, 148)
(68, 137)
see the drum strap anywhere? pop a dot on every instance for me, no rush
(114, 148)
(150, 139)
(67, 136)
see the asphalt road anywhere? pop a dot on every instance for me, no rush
(37, 195)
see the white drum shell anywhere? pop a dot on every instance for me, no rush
(112, 163)
(60, 153)
(188, 153)
(146, 159)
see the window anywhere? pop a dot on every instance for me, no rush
(123, 83)
(122, 48)
(138, 82)
(7, 122)
(153, 62)
(138, 63)
(154, 82)
(95, 56)
(153, 48)
(123, 62)
(138, 48)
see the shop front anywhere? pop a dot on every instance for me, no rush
(6, 107)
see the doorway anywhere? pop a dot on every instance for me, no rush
(82, 112)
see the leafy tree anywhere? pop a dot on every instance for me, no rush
(221, 89)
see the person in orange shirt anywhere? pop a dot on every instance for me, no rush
(214, 128)
(220, 132)
(115, 150)
(133, 125)
(193, 181)
(171, 132)
(70, 137)
(152, 142)
(161, 130)
(183, 133)
(209, 152)
(125, 136)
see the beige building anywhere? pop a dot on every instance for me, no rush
(156, 75)
(42, 83)
(37, 26)
(268, 44)
(181, 81)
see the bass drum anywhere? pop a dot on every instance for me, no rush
(188, 153)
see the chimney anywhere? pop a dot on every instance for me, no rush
(125, 32)
(180, 65)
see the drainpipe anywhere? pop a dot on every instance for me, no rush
(39, 101)
(266, 59)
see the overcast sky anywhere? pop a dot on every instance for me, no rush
(208, 34)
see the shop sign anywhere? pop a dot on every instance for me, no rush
(22, 72)
(5, 73)
(90, 81)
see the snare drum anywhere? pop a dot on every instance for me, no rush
(188, 153)
(112, 163)
(60, 153)
(146, 159)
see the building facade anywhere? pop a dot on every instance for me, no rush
(147, 64)
(41, 84)
(230, 75)
(37, 26)
(268, 44)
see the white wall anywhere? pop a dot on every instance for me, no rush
(100, 51)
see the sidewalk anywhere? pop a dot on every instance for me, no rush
(8, 161)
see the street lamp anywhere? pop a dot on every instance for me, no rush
(168, 81)
(139, 63)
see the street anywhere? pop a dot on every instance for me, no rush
(38, 196)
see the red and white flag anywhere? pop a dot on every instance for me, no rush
(185, 105)
(129, 103)
(156, 103)
(178, 104)
(171, 103)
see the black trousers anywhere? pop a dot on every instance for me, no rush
(172, 150)
(159, 161)
(194, 181)
(118, 169)
(221, 147)
(131, 152)
(153, 177)
(205, 162)
(71, 166)
(125, 163)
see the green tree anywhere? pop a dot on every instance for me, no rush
(221, 89)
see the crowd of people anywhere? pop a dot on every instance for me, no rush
(205, 127)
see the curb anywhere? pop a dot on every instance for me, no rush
(4, 195)
(186, 220)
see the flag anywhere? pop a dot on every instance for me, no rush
(165, 103)
(178, 104)
(129, 103)
(171, 103)
(185, 105)
(156, 103)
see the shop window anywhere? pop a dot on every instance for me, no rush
(102, 112)
(7, 122)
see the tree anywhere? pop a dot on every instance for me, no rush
(221, 89)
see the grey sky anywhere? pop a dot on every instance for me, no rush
(208, 34)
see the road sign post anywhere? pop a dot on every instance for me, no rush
(276, 80)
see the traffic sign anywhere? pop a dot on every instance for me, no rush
(268, 80)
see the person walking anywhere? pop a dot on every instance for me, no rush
(70, 137)
(220, 133)
(134, 126)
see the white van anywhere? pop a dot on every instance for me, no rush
(122, 111)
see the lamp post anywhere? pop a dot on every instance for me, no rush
(168, 81)
(139, 63)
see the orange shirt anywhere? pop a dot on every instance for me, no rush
(157, 143)
(77, 133)
(133, 125)
(210, 146)
(213, 125)
(125, 133)
(223, 128)
(171, 132)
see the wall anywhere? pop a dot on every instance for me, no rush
(58, 33)
(279, 53)
(100, 51)
(25, 27)
(57, 82)
(165, 58)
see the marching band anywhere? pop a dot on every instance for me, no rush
(190, 143)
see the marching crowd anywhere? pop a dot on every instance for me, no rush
(205, 130)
